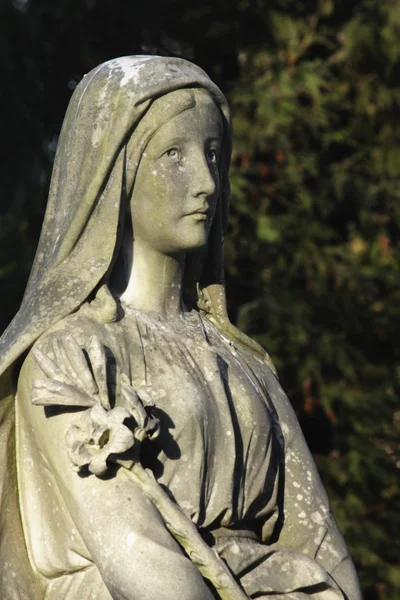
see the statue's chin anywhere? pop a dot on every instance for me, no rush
(196, 240)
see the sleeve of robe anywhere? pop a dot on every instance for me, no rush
(308, 524)
(90, 537)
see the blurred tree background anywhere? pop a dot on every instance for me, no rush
(313, 256)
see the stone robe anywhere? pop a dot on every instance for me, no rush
(230, 451)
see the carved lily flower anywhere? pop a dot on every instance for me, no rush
(101, 432)
(98, 434)
(140, 406)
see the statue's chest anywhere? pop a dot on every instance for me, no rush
(201, 389)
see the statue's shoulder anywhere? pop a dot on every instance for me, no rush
(81, 326)
(98, 317)
(83, 336)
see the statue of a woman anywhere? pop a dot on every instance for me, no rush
(122, 335)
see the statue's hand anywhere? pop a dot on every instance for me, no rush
(77, 377)
(105, 434)
(140, 406)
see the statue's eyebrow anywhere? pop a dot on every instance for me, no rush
(176, 140)
(163, 145)
(214, 138)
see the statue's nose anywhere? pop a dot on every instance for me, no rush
(202, 178)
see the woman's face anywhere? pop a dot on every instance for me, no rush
(177, 183)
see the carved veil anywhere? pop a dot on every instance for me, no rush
(87, 186)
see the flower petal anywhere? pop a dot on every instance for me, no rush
(81, 458)
(122, 439)
(75, 434)
(98, 432)
(98, 415)
(118, 415)
(98, 465)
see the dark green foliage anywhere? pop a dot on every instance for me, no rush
(316, 224)
(313, 256)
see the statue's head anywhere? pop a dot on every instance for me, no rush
(118, 112)
(146, 140)
(177, 183)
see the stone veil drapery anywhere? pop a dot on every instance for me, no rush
(86, 189)
(89, 184)
(104, 135)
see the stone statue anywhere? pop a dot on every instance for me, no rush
(148, 451)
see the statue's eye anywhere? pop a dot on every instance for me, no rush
(212, 155)
(173, 154)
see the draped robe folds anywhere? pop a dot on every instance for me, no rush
(230, 451)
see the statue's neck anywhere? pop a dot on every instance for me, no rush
(154, 281)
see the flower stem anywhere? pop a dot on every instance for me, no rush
(209, 563)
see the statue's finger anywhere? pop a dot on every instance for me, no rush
(145, 397)
(63, 362)
(79, 363)
(98, 361)
(135, 405)
(48, 392)
(48, 366)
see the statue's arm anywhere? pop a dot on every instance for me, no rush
(309, 525)
(124, 533)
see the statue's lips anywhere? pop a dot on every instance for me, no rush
(201, 214)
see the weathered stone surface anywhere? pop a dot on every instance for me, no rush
(154, 445)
